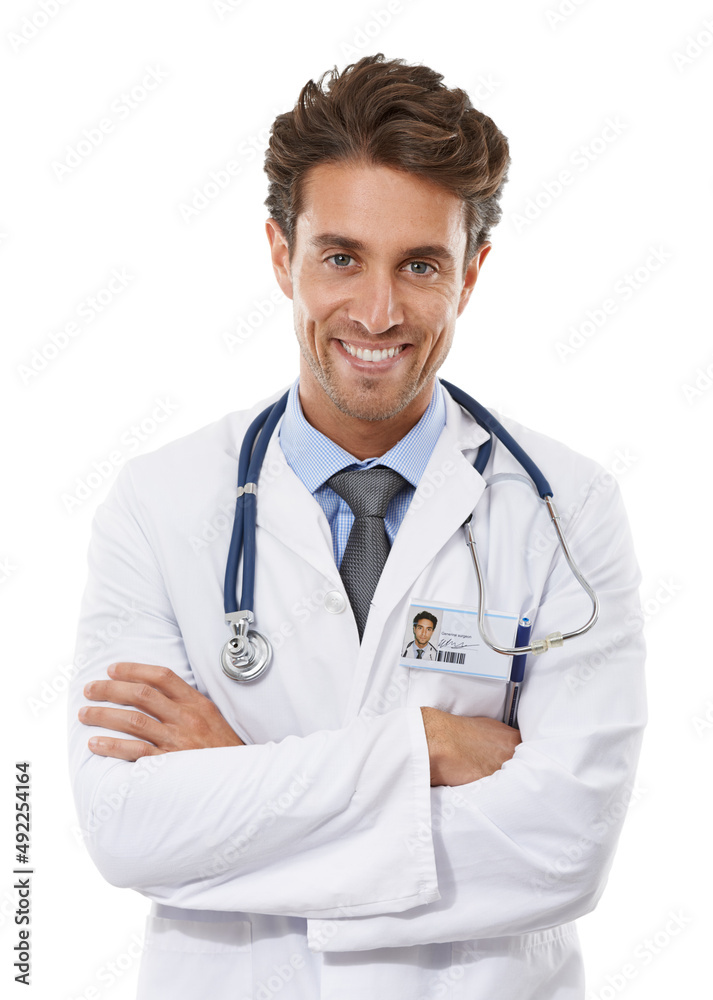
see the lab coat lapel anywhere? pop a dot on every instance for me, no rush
(448, 492)
(287, 509)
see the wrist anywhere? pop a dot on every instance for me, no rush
(437, 744)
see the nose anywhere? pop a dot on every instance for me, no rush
(376, 303)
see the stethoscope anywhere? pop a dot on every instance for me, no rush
(247, 653)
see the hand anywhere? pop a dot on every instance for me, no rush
(175, 716)
(462, 748)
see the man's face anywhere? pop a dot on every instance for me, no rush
(376, 266)
(422, 632)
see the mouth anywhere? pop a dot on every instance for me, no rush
(372, 355)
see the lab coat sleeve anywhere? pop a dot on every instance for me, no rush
(197, 828)
(530, 846)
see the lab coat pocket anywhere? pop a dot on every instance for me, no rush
(460, 694)
(194, 959)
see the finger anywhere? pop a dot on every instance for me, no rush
(105, 746)
(132, 723)
(142, 696)
(162, 678)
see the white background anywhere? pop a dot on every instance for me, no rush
(550, 82)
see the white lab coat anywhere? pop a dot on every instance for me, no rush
(317, 861)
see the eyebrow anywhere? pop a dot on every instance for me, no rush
(324, 240)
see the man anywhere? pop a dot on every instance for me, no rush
(325, 830)
(421, 647)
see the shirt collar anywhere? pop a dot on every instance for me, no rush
(313, 457)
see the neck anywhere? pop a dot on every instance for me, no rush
(361, 438)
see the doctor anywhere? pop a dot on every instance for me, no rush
(421, 647)
(345, 825)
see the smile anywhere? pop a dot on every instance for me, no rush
(364, 354)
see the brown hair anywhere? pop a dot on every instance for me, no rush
(392, 114)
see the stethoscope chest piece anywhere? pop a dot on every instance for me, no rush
(247, 653)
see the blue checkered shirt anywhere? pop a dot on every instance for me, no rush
(314, 458)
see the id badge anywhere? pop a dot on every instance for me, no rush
(445, 637)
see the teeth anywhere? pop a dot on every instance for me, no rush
(366, 355)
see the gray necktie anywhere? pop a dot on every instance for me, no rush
(368, 493)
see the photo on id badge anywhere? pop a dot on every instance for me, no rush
(445, 637)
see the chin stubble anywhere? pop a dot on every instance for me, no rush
(364, 402)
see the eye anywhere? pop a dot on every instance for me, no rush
(421, 264)
(340, 259)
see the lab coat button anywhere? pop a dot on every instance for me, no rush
(334, 602)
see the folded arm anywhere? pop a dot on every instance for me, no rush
(309, 826)
(530, 847)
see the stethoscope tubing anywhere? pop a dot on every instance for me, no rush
(487, 420)
(244, 524)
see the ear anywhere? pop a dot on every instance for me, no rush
(471, 275)
(280, 256)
